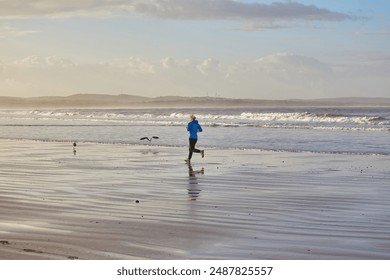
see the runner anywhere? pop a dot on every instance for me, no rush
(193, 127)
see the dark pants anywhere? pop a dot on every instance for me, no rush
(192, 148)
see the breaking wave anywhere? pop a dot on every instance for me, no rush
(231, 118)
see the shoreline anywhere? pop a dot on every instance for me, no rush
(212, 148)
(233, 204)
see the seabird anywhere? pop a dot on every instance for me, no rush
(149, 139)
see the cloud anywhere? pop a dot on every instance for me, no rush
(35, 61)
(383, 33)
(141, 66)
(61, 8)
(208, 66)
(261, 26)
(7, 31)
(229, 9)
(171, 9)
(276, 76)
(283, 62)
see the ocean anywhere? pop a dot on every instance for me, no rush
(317, 130)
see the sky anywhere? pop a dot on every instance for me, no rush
(303, 49)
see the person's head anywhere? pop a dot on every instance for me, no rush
(192, 117)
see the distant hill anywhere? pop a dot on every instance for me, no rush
(359, 100)
(131, 101)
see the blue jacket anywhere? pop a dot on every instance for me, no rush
(193, 128)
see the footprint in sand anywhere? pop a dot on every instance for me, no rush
(4, 242)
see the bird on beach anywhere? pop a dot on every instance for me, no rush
(149, 139)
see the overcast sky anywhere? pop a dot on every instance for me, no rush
(253, 49)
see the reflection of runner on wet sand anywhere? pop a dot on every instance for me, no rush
(193, 188)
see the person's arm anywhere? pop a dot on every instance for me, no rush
(200, 128)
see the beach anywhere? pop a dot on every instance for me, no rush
(119, 201)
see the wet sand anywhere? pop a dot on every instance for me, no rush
(143, 202)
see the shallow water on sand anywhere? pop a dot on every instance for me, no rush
(132, 202)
